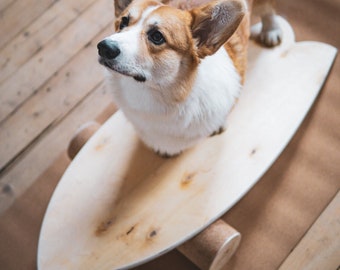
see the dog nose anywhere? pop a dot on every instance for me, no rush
(108, 49)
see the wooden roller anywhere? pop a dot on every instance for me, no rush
(212, 248)
(209, 250)
(81, 136)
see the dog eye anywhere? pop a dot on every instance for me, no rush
(156, 37)
(124, 22)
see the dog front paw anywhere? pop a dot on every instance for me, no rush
(270, 38)
(166, 155)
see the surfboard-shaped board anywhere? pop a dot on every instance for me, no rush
(119, 205)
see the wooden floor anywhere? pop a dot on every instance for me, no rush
(51, 83)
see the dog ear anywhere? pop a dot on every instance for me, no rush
(213, 24)
(120, 5)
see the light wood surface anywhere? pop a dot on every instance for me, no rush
(209, 250)
(134, 199)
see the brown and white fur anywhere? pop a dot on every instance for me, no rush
(176, 67)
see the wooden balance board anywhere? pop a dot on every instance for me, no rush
(119, 205)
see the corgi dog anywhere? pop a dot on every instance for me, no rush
(176, 68)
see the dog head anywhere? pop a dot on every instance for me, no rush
(160, 44)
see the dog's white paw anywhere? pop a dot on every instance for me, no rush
(270, 38)
(269, 33)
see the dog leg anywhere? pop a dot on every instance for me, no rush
(271, 33)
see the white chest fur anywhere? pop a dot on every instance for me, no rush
(172, 128)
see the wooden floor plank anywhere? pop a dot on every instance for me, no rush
(49, 146)
(34, 37)
(320, 247)
(44, 64)
(4, 4)
(59, 95)
(18, 15)
(24, 224)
